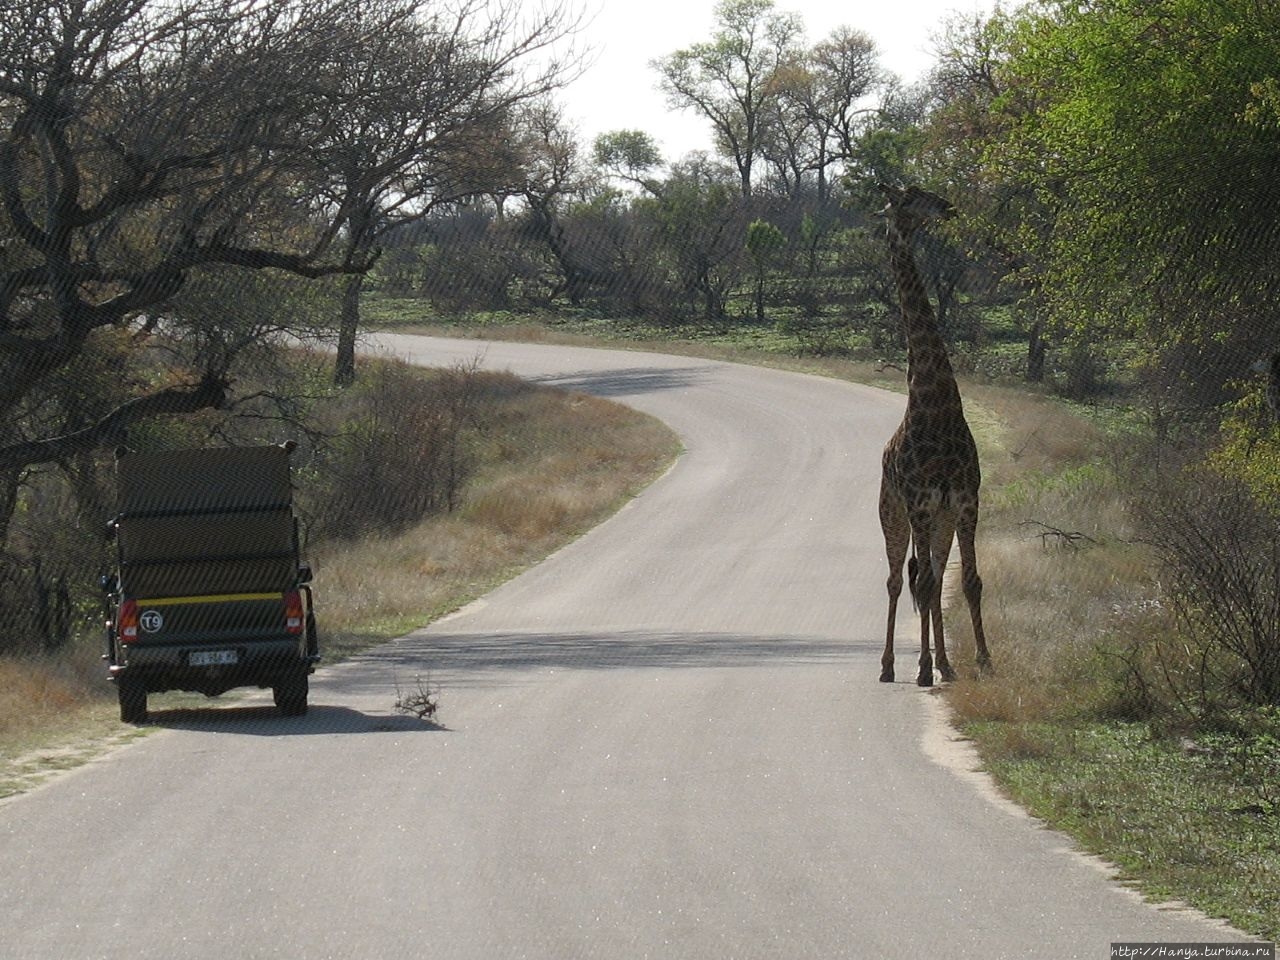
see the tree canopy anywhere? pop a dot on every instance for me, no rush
(1139, 140)
(143, 143)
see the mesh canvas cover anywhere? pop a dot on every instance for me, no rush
(195, 522)
(188, 481)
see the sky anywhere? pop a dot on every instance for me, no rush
(619, 90)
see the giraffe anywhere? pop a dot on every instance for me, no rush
(929, 484)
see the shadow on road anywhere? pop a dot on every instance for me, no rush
(630, 382)
(475, 657)
(265, 721)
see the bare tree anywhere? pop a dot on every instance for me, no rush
(423, 116)
(144, 141)
(819, 103)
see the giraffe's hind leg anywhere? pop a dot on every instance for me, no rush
(943, 535)
(897, 538)
(966, 532)
(927, 589)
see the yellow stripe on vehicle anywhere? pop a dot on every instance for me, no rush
(214, 598)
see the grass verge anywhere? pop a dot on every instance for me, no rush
(547, 466)
(1180, 819)
(1184, 811)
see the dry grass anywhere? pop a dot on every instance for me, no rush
(1049, 611)
(55, 712)
(1024, 434)
(1062, 575)
(33, 692)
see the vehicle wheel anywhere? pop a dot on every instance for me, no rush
(313, 638)
(291, 694)
(133, 700)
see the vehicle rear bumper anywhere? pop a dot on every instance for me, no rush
(170, 667)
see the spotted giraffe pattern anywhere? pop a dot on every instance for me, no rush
(930, 478)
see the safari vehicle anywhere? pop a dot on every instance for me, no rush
(208, 592)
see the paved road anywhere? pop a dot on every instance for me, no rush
(666, 741)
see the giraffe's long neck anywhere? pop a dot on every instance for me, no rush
(923, 337)
(928, 367)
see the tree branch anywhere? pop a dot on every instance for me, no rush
(1070, 538)
(211, 392)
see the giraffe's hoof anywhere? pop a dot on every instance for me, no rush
(986, 669)
(925, 679)
(948, 674)
(886, 675)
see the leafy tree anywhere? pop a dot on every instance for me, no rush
(764, 241)
(699, 218)
(888, 150)
(1147, 130)
(729, 79)
(974, 105)
(628, 155)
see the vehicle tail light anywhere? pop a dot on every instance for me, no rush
(293, 611)
(127, 622)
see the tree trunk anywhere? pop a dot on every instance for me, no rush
(1036, 350)
(10, 481)
(344, 368)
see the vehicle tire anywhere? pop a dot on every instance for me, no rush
(133, 700)
(290, 694)
(313, 637)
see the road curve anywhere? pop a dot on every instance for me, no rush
(667, 740)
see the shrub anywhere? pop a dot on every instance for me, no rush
(403, 454)
(1220, 553)
(36, 607)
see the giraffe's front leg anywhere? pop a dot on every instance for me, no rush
(894, 585)
(897, 538)
(925, 677)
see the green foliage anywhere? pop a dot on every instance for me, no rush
(698, 218)
(1249, 448)
(884, 155)
(1193, 820)
(1150, 141)
(764, 241)
(630, 152)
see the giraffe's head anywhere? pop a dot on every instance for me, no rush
(910, 209)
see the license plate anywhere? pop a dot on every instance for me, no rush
(212, 658)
